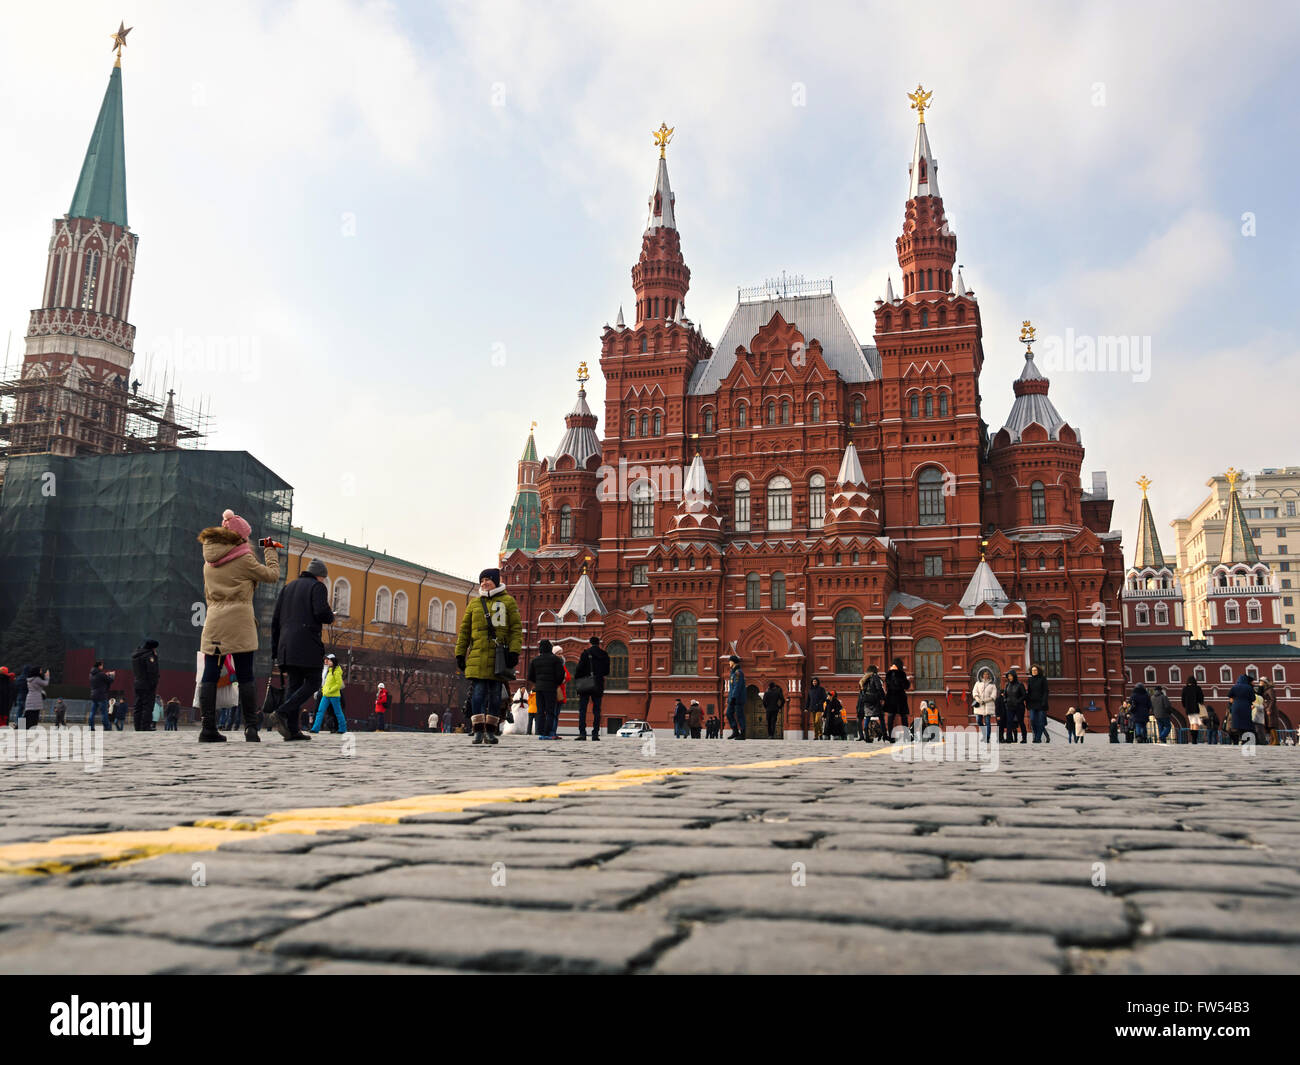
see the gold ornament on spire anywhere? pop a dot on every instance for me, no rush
(920, 101)
(1027, 334)
(1144, 482)
(582, 373)
(662, 136)
(119, 40)
(532, 427)
(1232, 475)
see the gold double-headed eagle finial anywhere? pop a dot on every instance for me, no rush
(920, 101)
(662, 136)
(532, 427)
(582, 373)
(1144, 482)
(1232, 475)
(1027, 334)
(119, 41)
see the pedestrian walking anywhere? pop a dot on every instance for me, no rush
(736, 695)
(589, 683)
(1142, 707)
(896, 687)
(835, 718)
(37, 682)
(301, 610)
(331, 691)
(1240, 719)
(1078, 723)
(487, 651)
(984, 700)
(172, 715)
(679, 719)
(60, 713)
(815, 704)
(1113, 727)
(231, 574)
(382, 698)
(1192, 699)
(1016, 695)
(1036, 702)
(546, 673)
(1162, 709)
(695, 718)
(99, 684)
(144, 670)
(773, 704)
(532, 712)
(1264, 713)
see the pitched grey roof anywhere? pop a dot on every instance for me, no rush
(584, 600)
(818, 318)
(1033, 406)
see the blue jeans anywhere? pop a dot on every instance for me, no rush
(223, 717)
(1162, 726)
(485, 697)
(1139, 732)
(330, 701)
(99, 706)
(1038, 722)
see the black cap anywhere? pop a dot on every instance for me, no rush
(494, 575)
(734, 658)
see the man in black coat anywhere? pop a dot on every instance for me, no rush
(815, 704)
(99, 682)
(594, 663)
(546, 675)
(144, 669)
(896, 688)
(773, 701)
(301, 610)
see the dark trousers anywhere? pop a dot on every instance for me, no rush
(532, 718)
(893, 714)
(736, 719)
(547, 713)
(772, 715)
(582, 713)
(1016, 721)
(98, 706)
(695, 733)
(298, 688)
(142, 713)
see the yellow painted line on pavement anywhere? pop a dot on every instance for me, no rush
(68, 853)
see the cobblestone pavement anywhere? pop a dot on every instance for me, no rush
(1092, 859)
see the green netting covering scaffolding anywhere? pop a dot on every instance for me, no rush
(105, 546)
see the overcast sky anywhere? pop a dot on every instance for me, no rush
(410, 222)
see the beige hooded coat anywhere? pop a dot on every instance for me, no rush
(230, 625)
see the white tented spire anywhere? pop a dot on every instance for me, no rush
(924, 171)
(961, 283)
(850, 468)
(619, 323)
(889, 290)
(662, 201)
(983, 588)
(697, 487)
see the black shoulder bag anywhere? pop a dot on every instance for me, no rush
(500, 667)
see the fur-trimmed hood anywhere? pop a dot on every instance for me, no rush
(220, 544)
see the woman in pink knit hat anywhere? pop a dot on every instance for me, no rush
(231, 574)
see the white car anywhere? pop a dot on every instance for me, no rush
(635, 729)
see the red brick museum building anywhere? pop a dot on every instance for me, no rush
(815, 504)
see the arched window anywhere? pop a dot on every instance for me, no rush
(929, 665)
(914, 405)
(383, 605)
(1038, 503)
(848, 641)
(1279, 674)
(785, 412)
(771, 412)
(90, 275)
(617, 679)
(742, 505)
(816, 501)
(1149, 674)
(631, 426)
(1175, 675)
(643, 509)
(642, 343)
(708, 419)
(929, 404)
(778, 504)
(449, 617)
(925, 319)
(1162, 614)
(857, 410)
(815, 410)
(342, 597)
(659, 423)
(930, 492)
(778, 594)
(399, 608)
(1225, 675)
(1199, 674)
(566, 523)
(435, 615)
(686, 661)
(1141, 615)
(742, 415)
(943, 404)
(752, 592)
(645, 424)
(1231, 612)
(1253, 612)
(1045, 645)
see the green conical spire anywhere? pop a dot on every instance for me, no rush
(101, 189)
(1148, 554)
(1238, 544)
(530, 450)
